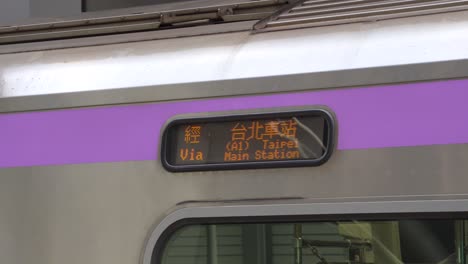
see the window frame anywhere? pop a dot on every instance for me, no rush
(455, 209)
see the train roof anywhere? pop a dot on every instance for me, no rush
(268, 14)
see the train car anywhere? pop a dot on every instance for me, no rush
(229, 132)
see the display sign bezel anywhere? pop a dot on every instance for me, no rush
(167, 139)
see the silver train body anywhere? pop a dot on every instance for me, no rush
(97, 207)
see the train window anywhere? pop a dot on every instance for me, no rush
(19, 12)
(100, 5)
(24, 11)
(400, 241)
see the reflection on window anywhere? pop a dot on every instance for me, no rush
(403, 241)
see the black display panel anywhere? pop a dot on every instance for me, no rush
(285, 139)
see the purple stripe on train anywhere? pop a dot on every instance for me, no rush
(370, 117)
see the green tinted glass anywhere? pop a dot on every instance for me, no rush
(403, 241)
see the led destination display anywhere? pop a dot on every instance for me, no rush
(265, 140)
